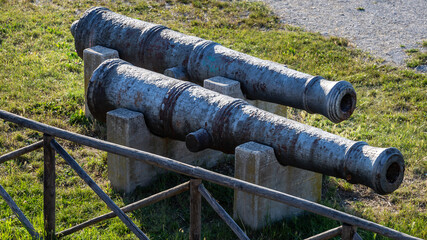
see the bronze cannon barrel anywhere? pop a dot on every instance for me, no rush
(158, 48)
(206, 119)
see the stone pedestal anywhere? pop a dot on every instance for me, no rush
(177, 73)
(232, 88)
(256, 163)
(92, 58)
(128, 128)
(224, 86)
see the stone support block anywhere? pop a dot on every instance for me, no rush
(256, 163)
(92, 58)
(232, 88)
(224, 86)
(176, 72)
(128, 128)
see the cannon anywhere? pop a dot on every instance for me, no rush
(157, 48)
(206, 119)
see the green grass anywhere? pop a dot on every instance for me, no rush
(417, 57)
(41, 77)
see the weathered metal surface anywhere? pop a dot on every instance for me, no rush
(158, 48)
(175, 108)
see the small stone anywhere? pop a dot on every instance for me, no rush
(421, 68)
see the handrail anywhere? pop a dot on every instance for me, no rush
(207, 175)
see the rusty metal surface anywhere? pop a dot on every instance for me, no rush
(158, 48)
(175, 108)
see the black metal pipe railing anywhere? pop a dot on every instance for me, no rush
(110, 203)
(207, 175)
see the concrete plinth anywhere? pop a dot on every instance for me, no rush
(232, 88)
(128, 128)
(92, 58)
(176, 72)
(224, 86)
(256, 163)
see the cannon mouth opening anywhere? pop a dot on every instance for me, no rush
(393, 172)
(341, 101)
(346, 103)
(389, 171)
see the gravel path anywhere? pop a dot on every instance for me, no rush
(380, 27)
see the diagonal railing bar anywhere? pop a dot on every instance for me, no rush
(131, 207)
(327, 234)
(207, 175)
(21, 151)
(110, 203)
(357, 237)
(222, 213)
(19, 213)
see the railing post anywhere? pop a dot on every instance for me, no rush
(49, 187)
(348, 232)
(195, 210)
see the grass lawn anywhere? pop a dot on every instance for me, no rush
(41, 77)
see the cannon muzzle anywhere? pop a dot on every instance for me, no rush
(206, 119)
(158, 48)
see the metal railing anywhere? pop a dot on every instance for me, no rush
(349, 222)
